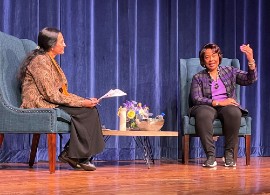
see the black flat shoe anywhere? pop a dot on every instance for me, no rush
(87, 166)
(63, 157)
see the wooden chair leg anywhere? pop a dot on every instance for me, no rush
(52, 151)
(248, 148)
(179, 138)
(35, 141)
(185, 149)
(1, 138)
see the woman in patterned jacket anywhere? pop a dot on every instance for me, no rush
(213, 95)
(44, 85)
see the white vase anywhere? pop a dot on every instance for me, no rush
(122, 119)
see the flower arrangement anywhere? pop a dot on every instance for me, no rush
(135, 110)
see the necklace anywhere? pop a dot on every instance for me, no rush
(216, 85)
(215, 82)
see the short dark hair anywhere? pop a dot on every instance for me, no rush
(214, 47)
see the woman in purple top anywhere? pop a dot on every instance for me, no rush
(218, 100)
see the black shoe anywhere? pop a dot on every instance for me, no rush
(87, 166)
(210, 162)
(63, 157)
(229, 159)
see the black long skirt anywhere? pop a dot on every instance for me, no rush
(86, 137)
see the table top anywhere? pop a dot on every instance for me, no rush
(139, 133)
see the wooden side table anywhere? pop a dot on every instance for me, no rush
(143, 137)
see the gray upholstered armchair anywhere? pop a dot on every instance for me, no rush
(16, 120)
(189, 67)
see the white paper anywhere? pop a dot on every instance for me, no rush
(113, 93)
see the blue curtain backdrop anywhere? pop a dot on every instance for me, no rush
(135, 45)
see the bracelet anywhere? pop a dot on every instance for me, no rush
(251, 63)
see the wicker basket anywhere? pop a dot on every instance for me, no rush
(150, 124)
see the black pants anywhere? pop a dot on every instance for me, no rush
(230, 117)
(86, 137)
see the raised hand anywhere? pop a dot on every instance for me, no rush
(246, 49)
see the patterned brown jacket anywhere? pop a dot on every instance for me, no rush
(44, 85)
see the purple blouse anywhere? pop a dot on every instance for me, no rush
(218, 90)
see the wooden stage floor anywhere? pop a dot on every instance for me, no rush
(133, 177)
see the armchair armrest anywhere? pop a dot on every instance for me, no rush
(18, 120)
